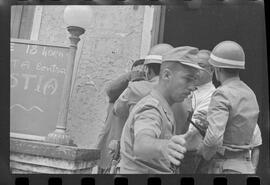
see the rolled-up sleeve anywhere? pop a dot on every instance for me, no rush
(148, 120)
(121, 107)
(218, 114)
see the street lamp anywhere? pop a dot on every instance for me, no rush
(77, 18)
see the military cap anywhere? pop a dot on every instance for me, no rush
(185, 55)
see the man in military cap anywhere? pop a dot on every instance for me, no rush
(232, 114)
(148, 141)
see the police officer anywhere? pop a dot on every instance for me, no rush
(148, 143)
(232, 114)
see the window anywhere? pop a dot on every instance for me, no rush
(22, 21)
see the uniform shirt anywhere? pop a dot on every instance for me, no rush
(232, 116)
(201, 99)
(152, 113)
(131, 95)
(256, 138)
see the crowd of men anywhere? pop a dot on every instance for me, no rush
(166, 116)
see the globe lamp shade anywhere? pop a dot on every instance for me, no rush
(78, 15)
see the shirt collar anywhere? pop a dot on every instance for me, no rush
(162, 100)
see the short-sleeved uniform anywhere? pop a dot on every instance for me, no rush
(131, 95)
(153, 113)
(232, 116)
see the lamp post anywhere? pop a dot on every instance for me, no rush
(77, 18)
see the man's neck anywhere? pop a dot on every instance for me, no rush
(164, 94)
(226, 78)
(199, 85)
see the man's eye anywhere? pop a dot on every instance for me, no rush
(190, 79)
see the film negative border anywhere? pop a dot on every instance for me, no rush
(193, 3)
(130, 180)
(262, 179)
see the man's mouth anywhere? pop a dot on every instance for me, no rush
(187, 94)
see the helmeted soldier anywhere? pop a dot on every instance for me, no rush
(232, 114)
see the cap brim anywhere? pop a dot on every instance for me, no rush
(195, 66)
(192, 65)
(138, 62)
(152, 61)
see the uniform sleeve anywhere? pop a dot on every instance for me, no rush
(218, 114)
(121, 107)
(117, 86)
(203, 103)
(256, 138)
(201, 108)
(148, 120)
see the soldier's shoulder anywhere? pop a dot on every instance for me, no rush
(149, 101)
(141, 88)
(221, 92)
(139, 84)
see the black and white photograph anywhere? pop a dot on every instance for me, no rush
(139, 89)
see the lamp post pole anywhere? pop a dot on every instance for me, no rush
(59, 135)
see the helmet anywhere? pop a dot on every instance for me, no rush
(228, 54)
(155, 54)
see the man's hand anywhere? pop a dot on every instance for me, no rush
(174, 149)
(193, 139)
(113, 146)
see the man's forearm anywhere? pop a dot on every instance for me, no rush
(147, 147)
(116, 87)
(209, 146)
(255, 157)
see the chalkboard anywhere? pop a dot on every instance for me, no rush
(37, 73)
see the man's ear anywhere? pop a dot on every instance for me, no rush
(211, 69)
(166, 74)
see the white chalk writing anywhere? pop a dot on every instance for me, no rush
(13, 80)
(27, 79)
(13, 62)
(27, 109)
(51, 52)
(37, 89)
(50, 86)
(11, 47)
(25, 64)
(31, 49)
(38, 84)
(51, 68)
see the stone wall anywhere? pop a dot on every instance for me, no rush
(111, 42)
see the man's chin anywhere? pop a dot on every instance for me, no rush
(179, 100)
